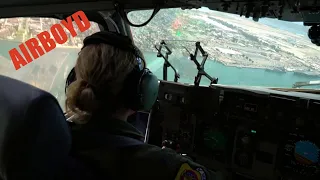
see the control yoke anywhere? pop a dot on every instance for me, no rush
(200, 67)
(166, 61)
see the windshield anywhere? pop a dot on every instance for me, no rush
(241, 52)
(48, 72)
(268, 53)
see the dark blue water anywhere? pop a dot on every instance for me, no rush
(227, 74)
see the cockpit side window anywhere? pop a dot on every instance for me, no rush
(49, 71)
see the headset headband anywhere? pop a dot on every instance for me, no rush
(117, 40)
(111, 38)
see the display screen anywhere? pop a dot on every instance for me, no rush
(214, 139)
(306, 153)
(302, 157)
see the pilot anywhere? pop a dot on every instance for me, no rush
(108, 71)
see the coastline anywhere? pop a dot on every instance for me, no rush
(9, 44)
(282, 71)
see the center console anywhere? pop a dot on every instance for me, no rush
(244, 133)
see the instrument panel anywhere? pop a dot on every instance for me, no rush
(243, 133)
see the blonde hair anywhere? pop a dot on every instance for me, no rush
(101, 70)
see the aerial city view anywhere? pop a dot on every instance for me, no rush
(233, 40)
(241, 52)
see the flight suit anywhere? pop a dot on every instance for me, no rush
(143, 162)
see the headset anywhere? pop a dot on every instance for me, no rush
(141, 87)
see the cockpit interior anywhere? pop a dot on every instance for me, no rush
(238, 80)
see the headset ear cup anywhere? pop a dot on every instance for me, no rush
(148, 90)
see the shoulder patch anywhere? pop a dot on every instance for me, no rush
(202, 173)
(187, 173)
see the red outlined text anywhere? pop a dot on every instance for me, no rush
(44, 42)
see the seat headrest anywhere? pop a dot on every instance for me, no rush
(34, 136)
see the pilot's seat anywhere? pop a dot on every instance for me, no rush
(34, 136)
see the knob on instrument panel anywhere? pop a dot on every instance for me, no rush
(243, 159)
(171, 144)
(245, 140)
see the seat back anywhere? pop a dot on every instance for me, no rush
(34, 136)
